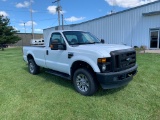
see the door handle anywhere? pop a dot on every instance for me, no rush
(46, 52)
(70, 55)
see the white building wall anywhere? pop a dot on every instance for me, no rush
(128, 27)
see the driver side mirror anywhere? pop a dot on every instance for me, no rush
(102, 41)
(55, 45)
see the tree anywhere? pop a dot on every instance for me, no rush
(7, 33)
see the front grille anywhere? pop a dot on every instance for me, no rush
(123, 59)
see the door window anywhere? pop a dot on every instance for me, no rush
(56, 37)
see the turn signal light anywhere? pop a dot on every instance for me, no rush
(51, 46)
(102, 60)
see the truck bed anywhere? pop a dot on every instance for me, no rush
(38, 52)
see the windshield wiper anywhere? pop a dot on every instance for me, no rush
(77, 43)
(93, 42)
(84, 43)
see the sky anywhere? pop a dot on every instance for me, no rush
(74, 11)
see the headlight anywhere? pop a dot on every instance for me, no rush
(104, 64)
(103, 67)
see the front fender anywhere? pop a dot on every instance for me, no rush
(91, 62)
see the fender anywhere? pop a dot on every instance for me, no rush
(26, 53)
(31, 53)
(91, 62)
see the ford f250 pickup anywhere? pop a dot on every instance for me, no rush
(84, 59)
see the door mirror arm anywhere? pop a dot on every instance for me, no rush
(102, 41)
(58, 46)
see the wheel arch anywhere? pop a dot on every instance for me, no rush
(30, 56)
(84, 79)
(80, 64)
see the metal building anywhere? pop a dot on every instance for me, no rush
(139, 26)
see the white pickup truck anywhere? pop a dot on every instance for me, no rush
(81, 57)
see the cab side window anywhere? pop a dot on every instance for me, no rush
(56, 37)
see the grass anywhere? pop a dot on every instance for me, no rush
(47, 97)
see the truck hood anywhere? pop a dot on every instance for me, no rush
(102, 49)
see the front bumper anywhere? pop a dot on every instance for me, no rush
(116, 79)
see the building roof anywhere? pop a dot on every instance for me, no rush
(145, 14)
(64, 30)
(118, 12)
(30, 33)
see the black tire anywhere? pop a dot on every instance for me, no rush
(33, 67)
(84, 82)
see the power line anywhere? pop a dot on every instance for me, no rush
(23, 10)
(40, 20)
(46, 19)
(66, 22)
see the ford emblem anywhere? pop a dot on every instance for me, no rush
(128, 59)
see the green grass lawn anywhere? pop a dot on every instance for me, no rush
(47, 97)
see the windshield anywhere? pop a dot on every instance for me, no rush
(79, 38)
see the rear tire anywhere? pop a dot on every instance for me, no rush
(33, 67)
(84, 82)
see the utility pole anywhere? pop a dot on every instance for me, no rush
(25, 28)
(62, 23)
(58, 9)
(32, 19)
(25, 32)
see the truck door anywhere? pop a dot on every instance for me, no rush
(57, 59)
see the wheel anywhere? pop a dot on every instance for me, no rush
(84, 82)
(33, 67)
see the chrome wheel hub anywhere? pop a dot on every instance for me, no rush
(31, 67)
(82, 82)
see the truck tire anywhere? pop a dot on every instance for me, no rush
(33, 67)
(84, 82)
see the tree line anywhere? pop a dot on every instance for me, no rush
(7, 33)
